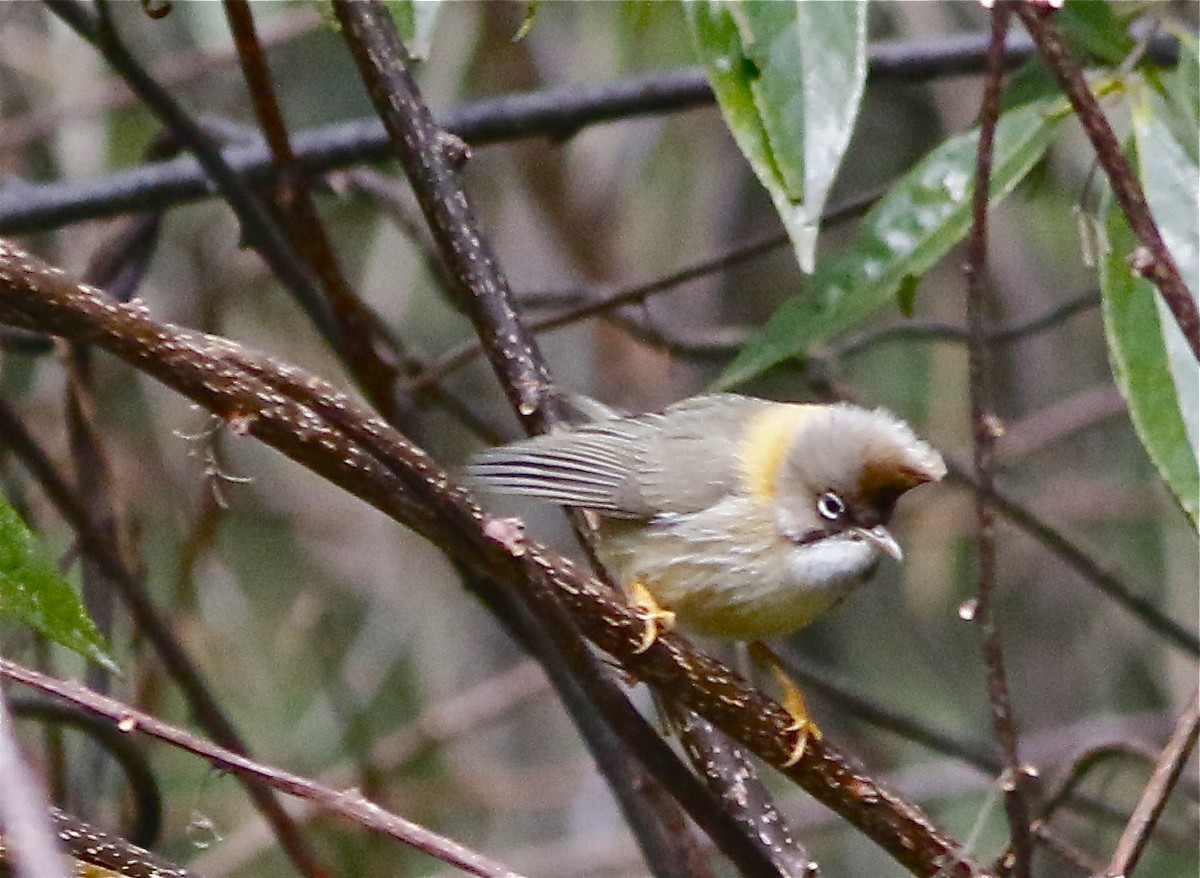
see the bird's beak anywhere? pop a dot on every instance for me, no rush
(881, 539)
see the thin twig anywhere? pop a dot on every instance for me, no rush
(914, 330)
(1085, 565)
(349, 803)
(601, 303)
(1154, 797)
(731, 772)
(436, 726)
(303, 224)
(985, 433)
(1157, 264)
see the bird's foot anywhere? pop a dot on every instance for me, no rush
(656, 618)
(793, 702)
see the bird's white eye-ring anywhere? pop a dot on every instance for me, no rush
(831, 506)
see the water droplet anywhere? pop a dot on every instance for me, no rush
(203, 831)
(968, 609)
(127, 724)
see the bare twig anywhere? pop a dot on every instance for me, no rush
(1086, 566)
(731, 772)
(439, 725)
(598, 304)
(349, 803)
(555, 112)
(985, 433)
(303, 224)
(915, 330)
(1154, 797)
(1157, 264)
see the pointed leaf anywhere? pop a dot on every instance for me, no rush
(789, 78)
(925, 214)
(1141, 365)
(1152, 361)
(33, 591)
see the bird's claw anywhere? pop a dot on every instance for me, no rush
(655, 617)
(806, 730)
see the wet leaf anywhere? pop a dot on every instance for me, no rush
(925, 214)
(789, 78)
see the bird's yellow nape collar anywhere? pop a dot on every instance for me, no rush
(765, 444)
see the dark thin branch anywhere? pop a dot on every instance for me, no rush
(1156, 263)
(304, 227)
(984, 432)
(1154, 797)
(914, 330)
(595, 304)
(348, 803)
(730, 770)
(326, 431)
(555, 112)
(1086, 566)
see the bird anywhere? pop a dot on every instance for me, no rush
(726, 515)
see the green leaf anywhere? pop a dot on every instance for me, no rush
(925, 214)
(906, 295)
(33, 591)
(1134, 326)
(789, 78)
(1154, 365)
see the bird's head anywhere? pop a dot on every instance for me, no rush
(844, 469)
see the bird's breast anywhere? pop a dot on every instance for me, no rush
(727, 571)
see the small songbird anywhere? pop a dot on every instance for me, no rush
(735, 517)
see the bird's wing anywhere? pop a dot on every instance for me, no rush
(680, 461)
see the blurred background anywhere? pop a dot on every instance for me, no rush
(345, 648)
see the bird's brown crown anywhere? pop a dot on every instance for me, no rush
(867, 457)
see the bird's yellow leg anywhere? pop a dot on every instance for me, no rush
(657, 619)
(793, 702)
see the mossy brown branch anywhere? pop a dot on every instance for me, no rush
(320, 427)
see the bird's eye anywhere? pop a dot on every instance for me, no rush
(830, 506)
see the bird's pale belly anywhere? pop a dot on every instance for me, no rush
(727, 572)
